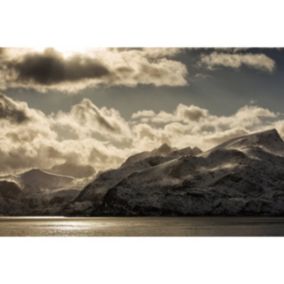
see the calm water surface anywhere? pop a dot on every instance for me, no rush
(142, 226)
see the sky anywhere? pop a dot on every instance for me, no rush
(87, 110)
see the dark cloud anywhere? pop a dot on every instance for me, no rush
(11, 111)
(50, 67)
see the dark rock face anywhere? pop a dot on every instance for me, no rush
(29, 194)
(9, 189)
(244, 176)
(10, 195)
(96, 190)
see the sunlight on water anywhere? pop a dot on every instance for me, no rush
(141, 226)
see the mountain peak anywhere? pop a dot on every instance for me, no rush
(262, 138)
(269, 139)
(269, 134)
(163, 149)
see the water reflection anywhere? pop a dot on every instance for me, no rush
(157, 226)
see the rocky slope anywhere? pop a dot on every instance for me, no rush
(36, 192)
(244, 176)
(93, 194)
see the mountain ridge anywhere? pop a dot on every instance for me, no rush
(243, 176)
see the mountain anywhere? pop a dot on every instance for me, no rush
(74, 170)
(96, 190)
(269, 140)
(37, 180)
(161, 154)
(35, 193)
(243, 176)
(10, 194)
(9, 189)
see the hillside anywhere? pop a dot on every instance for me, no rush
(243, 176)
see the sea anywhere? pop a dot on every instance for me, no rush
(142, 226)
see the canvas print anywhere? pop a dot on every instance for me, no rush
(141, 141)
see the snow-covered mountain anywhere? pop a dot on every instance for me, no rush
(96, 190)
(242, 176)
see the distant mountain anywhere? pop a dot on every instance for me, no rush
(243, 176)
(74, 170)
(36, 180)
(35, 192)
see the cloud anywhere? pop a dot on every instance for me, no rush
(16, 113)
(236, 60)
(220, 137)
(192, 113)
(143, 114)
(51, 69)
(161, 52)
(182, 113)
(195, 126)
(88, 139)
(65, 140)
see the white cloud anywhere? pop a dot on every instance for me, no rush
(237, 60)
(91, 138)
(143, 114)
(192, 113)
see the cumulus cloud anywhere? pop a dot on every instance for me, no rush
(143, 114)
(11, 111)
(87, 139)
(236, 60)
(195, 126)
(192, 113)
(51, 69)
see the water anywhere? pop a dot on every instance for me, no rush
(142, 226)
